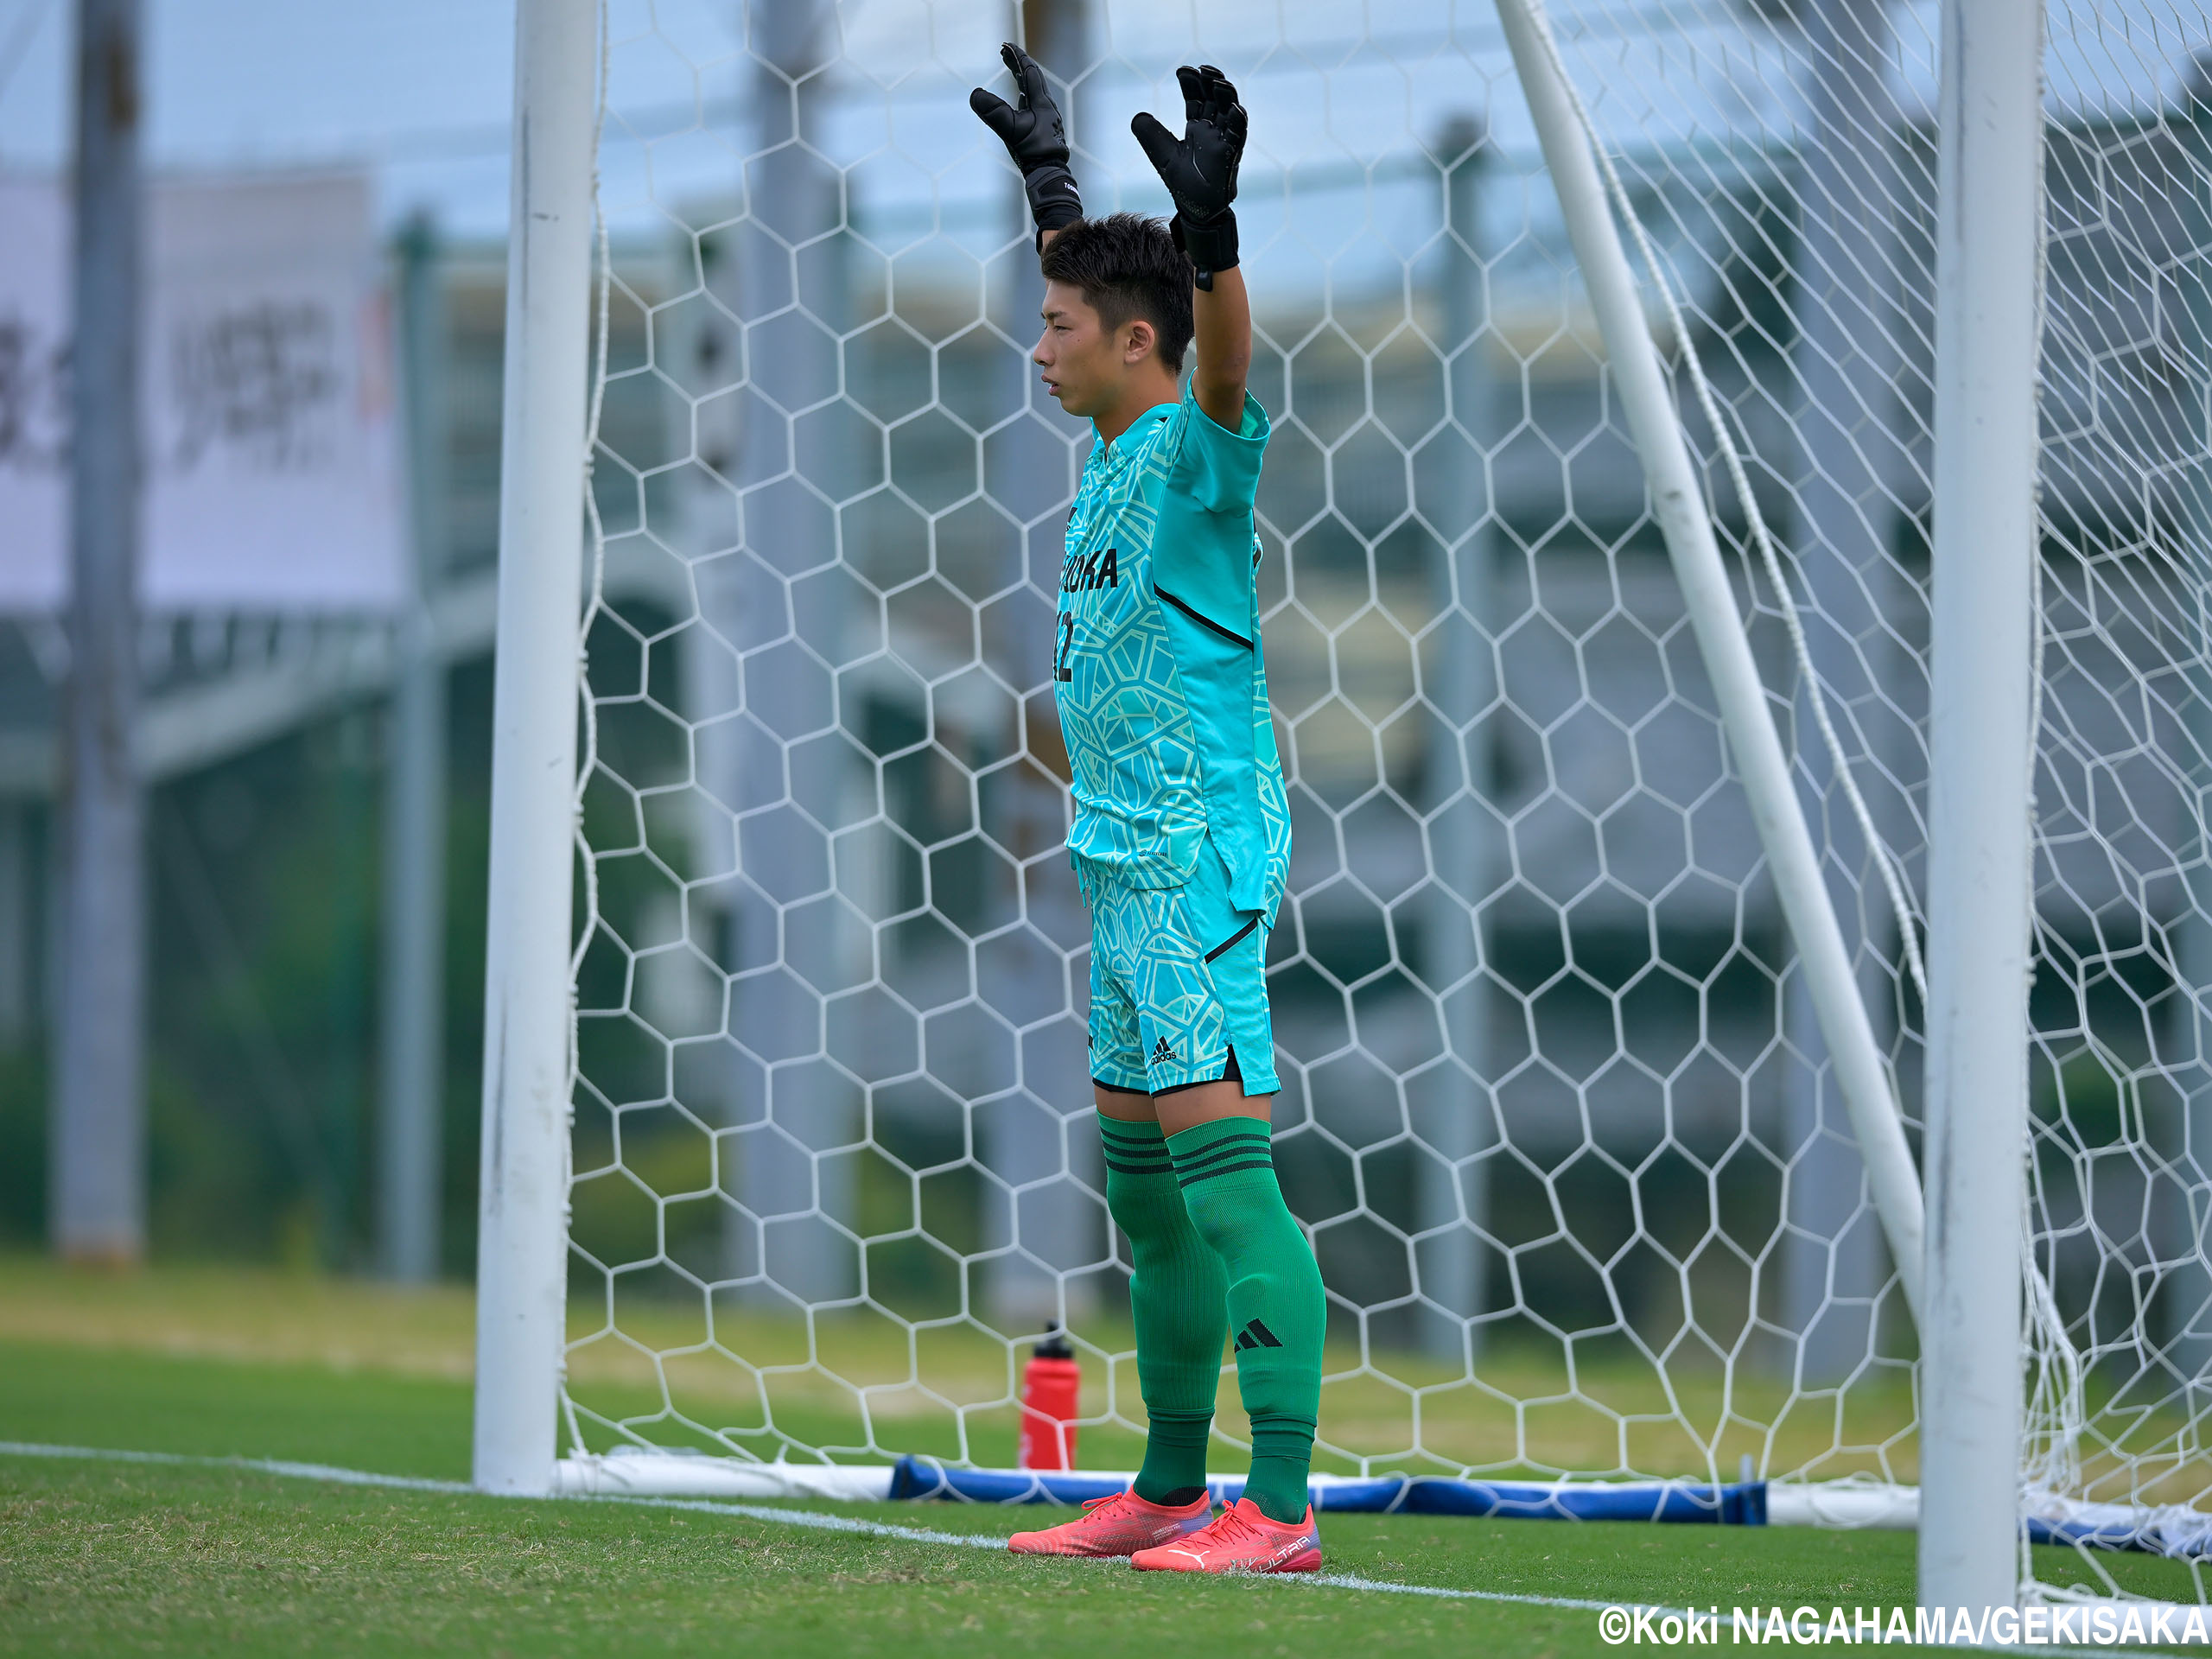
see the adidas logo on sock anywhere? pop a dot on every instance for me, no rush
(1256, 1335)
(1161, 1054)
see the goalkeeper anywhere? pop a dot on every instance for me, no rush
(1182, 833)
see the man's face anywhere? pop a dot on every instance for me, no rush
(1083, 362)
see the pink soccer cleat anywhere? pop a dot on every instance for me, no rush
(1242, 1540)
(1118, 1525)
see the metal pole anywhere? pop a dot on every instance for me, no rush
(1987, 271)
(521, 1256)
(1039, 1141)
(97, 1206)
(2185, 1219)
(412, 1069)
(18, 930)
(790, 273)
(1458, 1122)
(1846, 363)
(1678, 503)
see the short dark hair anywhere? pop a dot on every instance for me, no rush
(1128, 266)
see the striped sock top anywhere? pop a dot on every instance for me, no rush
(1222, 1147)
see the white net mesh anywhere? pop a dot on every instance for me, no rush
(2122, 1157)
(1556, 1110)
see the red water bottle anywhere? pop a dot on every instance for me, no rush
(1050, 1383)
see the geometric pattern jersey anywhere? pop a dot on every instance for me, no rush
(1156, 660)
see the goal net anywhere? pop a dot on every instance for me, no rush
(1557, 1112)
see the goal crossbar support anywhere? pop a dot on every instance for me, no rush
(1678, 503)
(1982, 710)
(521, 1244)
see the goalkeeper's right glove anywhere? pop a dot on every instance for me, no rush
(1036, 139)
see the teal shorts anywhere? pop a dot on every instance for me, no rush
(1179, 989)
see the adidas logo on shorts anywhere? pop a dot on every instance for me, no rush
(1163, 1055)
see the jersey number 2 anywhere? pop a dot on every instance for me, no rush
(1063, 649)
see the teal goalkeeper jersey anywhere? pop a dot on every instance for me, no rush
(1156, 662)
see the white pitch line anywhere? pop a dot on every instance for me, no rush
(816, 1521)
(813, 1519)
(258, 1466)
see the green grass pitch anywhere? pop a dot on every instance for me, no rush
(98, 1558)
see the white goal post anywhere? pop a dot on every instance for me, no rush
(1611, 1066)
(529, 1049)
(1981, 783)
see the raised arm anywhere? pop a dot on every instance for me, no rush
(1200, 170)
(1224, 347)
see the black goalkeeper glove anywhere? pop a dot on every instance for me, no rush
(1035, 136)
(1199, 170)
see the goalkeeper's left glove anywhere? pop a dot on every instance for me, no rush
(1199, 170)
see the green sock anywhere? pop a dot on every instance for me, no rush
(1227, 1171)
(1180, 1298)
